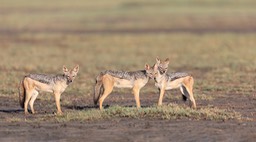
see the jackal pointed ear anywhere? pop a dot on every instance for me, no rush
(158, 60)
(155, 67)
(76, 68)
(147, 67)
(167, 61)
(65, 70)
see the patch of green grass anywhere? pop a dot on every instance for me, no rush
(165, 112)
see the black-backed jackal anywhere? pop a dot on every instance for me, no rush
(167, 81)
(32, 84)
(107, 80)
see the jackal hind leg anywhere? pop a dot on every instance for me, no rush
(108, 88)
(188, 84)
(32, 100)
(29, 94)
(191, 97)
(136, 93)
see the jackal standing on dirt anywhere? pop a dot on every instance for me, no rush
(167, 81)
(33, 83)
(107, 80)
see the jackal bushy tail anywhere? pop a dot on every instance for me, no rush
(97, 89)
(22, 93)
(184, 96)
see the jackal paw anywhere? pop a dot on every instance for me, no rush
(59, 113)
(34, 112)
(159, 104)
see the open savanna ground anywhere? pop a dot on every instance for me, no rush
(212, 40)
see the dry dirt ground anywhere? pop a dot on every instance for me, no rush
(126, 129)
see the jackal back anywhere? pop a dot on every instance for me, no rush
(133, 75)
(49, 79)
(176, 75)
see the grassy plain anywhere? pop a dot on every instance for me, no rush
(212, 40)
(222, 64)
(203, 38)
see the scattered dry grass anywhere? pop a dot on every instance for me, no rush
(168, 112)
(42, 36)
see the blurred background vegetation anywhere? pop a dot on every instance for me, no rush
(212, 39)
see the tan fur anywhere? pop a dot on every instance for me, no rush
(108, 82)
(163, 84)
(187, 82)
(31, 88)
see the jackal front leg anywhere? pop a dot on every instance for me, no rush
(161, 94)
(136, 93)
(57, 100)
